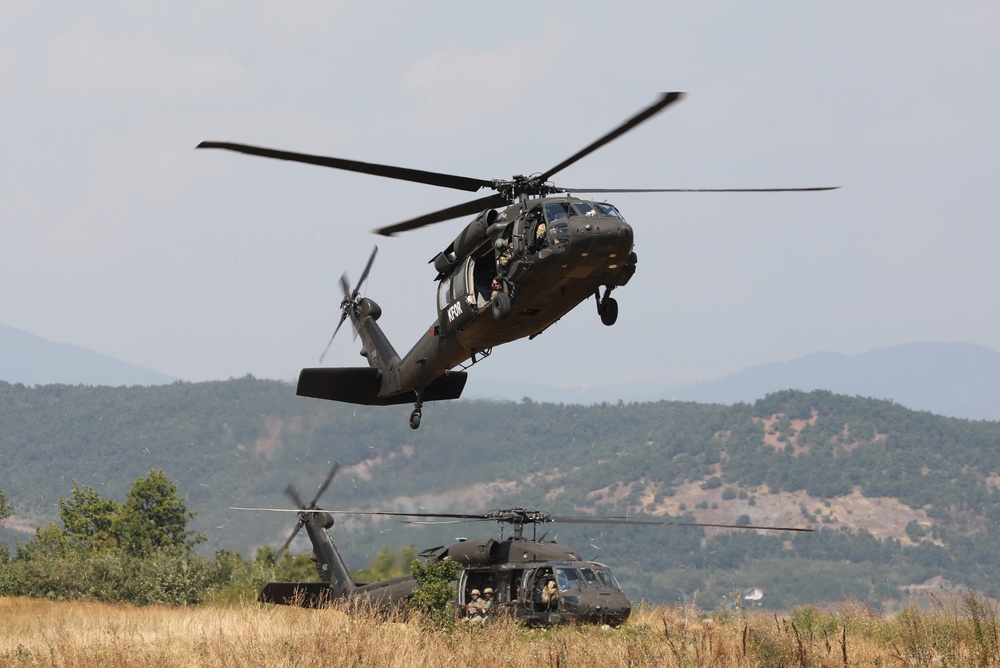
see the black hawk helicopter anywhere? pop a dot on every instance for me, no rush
(531, 254)
(516, 568)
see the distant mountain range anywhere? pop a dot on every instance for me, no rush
(32, 360)
(953, 379)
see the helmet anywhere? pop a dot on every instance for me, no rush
(474, 592)
(488, 590)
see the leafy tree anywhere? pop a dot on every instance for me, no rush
(6, 510)
(88, 519)
(435, 592)
(387, 564)
(154, 517)
(290, 568)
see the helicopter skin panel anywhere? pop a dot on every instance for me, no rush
(304, 594)
(361, 385)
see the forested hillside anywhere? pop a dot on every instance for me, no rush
(899, 499)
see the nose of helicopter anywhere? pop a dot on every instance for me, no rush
(598, 607)
(597, 237)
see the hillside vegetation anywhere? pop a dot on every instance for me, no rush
(901, 500)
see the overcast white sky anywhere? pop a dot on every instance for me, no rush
(118, 236)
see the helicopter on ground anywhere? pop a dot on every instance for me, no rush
(516, 568)
(531, 254)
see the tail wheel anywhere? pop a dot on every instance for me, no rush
(609, 313)
(415, 420)
(501, 306)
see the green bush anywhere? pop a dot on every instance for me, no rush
(432, 599)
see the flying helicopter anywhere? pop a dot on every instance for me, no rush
(516, 568)
(532, 252)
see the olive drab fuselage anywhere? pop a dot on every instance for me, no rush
(547, 251)
(516, 569)
(507, 276)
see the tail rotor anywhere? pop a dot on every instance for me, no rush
(349, 304)
(325, 519)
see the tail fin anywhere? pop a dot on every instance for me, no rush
(333, 570)
(377, 349)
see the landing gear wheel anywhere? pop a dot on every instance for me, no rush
(609, 314)
(501, 306)
(415, 420)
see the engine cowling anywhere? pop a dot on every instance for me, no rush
(467, 241)
(475, 552)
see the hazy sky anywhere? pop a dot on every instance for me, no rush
(120, 237)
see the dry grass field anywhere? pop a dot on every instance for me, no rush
(46, 633)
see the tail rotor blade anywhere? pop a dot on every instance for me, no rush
(349, 302)
(284, 548)
(343, 317)
(326, 483)
(293, 494)
(364, 274)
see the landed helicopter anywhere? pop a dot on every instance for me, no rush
(516, 568)
(532, 253)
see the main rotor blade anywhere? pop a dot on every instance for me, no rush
(434, 523)
(467, 209)
(694, 190)
(667, 523)
(388, 171)
(665, 100)
(461, 516)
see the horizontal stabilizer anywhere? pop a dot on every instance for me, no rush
(360, 385)
(304, 594)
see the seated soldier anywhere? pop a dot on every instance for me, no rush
(487, 600)
(474, 608)
(550, 594)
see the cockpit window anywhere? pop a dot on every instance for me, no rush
(567, 578)
(557, 211)
(607, 579)
(585, 209)
(608, 210)
(591, 578)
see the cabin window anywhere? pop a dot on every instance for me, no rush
(444, 293)
(456, 285)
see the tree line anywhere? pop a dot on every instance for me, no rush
(240, 442)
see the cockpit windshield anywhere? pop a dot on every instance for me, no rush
(590, 577)
(608, 210)
(607, 578)
(555, 211)
(568, 578)
(595, 577)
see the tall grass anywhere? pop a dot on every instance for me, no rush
(35, 632)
